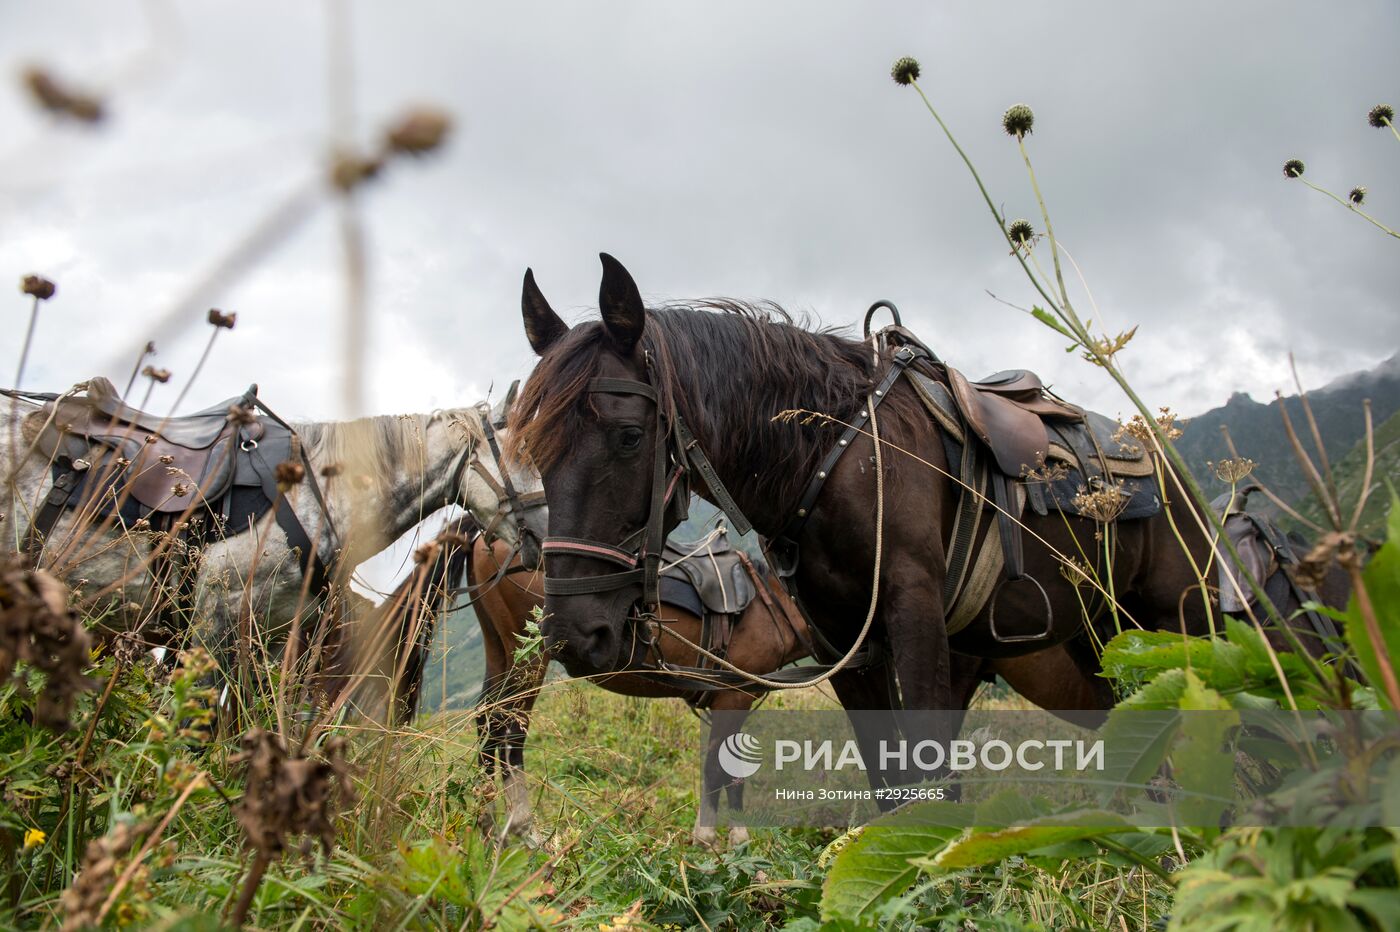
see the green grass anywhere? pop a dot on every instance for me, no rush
(615, 782)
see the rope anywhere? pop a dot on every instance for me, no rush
(874, 591)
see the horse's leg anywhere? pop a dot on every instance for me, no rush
(526, 680)
(737, 703)
(1063, 678)
(868, 695)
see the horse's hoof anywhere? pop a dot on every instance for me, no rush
(738, 835)
(705, 836)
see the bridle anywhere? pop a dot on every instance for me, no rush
(675, 457)
(511, 503)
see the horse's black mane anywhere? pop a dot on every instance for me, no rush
(731, 368)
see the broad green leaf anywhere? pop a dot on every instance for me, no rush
(1202, 765)
(1138, 735)
(1163, 692)
(976, 848)
(1010, 807)
(877, 866)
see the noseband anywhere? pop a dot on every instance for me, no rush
(640, 552)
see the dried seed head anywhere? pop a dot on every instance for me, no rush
(1356, 195)
(37, 286)
(49, 93)
(156, 375)
(180, 489)
(1076, 572)
(418, 132)
(219, 319)
(1233, 470)
(427, 553)
(289, 475)
(241, 414)
(1104, 504)
(102, 864)
(1018, 120)
(1293, 168)
(1381, 116)
(167, 459)
(38, 628)
(1311, 570)
(331, 470)
(287, 793)
(1021, 232)
(905, 71)
(350, 171)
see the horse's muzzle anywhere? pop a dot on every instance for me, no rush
(585, 640)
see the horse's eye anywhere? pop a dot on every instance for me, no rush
(630, 439)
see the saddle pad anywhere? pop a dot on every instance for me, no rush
(716, 571)
(1099, 442)
(678, 592)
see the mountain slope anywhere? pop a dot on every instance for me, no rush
(1258, 432)
(1352, 470)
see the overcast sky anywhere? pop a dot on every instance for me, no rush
(753, 150)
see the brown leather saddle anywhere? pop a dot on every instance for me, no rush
(162, 464)
(1008, 413)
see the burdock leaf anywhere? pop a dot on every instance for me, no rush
(878, 866)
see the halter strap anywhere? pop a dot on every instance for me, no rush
(674, 441)
(509, 499)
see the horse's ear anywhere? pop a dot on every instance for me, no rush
(624, 316)
(542, 326)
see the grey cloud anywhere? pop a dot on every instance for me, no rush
(757, 150)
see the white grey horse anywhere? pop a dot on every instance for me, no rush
(386, 475)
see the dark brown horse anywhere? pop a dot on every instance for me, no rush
(608, 400)
(770, 634)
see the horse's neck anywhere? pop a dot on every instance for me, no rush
(371, 515)
(750, 479)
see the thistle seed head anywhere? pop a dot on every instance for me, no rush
(1381, 116)
(418, 132)
(50, 93)
(905, 71)
(219, 319)
(289, 474)
(1018, 120)
(1293, 168)
(1021, 232)
(37, 286)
